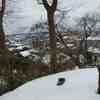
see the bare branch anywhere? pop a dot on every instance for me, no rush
(54, 5)
(2, 7)
(46, 5)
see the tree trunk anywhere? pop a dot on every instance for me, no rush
(52, 34)
(85, 43)
(52, 40)
(2, 34)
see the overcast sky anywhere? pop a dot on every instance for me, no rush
(21, 14)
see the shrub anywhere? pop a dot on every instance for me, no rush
(14, 71)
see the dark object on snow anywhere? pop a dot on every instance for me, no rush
(61, 81)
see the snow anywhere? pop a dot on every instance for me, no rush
(94, 50)
(11, 49)
(17, 44)
(25, 53)
(94, 38)
(79, 85)
(19, 48)
(65, 37)
(70, 45)
(46, 59)
(34, 50)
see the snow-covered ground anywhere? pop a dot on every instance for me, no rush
(79, 85)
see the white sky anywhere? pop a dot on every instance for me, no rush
(27, 12)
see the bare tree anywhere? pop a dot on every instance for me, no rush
(62, 27)
(87, 25)
(51, 6)
(53, 35)
(62, 17)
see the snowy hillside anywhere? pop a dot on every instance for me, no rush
(27, 12)
(79, 85)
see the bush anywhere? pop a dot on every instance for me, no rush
(14, 71)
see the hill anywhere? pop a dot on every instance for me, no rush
(79, 85)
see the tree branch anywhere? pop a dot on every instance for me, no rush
(46, 5)
(2, 7)
(54, 5)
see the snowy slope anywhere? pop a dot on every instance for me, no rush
(27, 12)
(79, 85)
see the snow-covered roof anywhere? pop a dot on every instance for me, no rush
(25, 53)
(11, 49)
(70, 45)
(65, 37)
(94, 38)
(19, 48)
(94, 50)
(34, 50)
